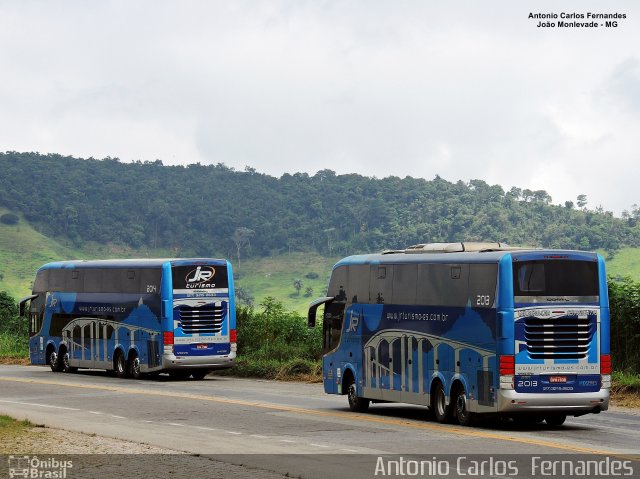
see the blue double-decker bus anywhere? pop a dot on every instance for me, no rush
(133, 316)
(470, 329)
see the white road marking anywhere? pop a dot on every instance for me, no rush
(94, 412)
(234, 432)
(318, 445)
(40, 405)
(175, 424)
(349, 450)
(206, 428)
(117, 417)
(287, 440)
(147, 421)
(259, 436)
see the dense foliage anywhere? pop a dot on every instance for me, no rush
(276, 343)
(216, 211)
(624, 301)
(14, 331)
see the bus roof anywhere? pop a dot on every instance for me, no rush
(462, 257)
(129, 263)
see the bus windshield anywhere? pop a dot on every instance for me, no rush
(555, 278)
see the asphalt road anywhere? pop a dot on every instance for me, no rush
(288, 428)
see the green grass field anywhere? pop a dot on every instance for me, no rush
(275, 277)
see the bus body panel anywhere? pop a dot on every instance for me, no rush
(132, 314)
(397, 351)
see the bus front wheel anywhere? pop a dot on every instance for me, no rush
(121, 365)
(439, 404)
(356, 403)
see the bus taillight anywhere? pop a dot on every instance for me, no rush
(605, 364)
(233, 339)
(605, 370)
(167, 338)
(507, 368)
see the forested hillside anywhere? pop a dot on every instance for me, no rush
(215, 210)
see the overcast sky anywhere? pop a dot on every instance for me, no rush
(462, 89)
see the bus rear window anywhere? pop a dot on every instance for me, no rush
(555, 278)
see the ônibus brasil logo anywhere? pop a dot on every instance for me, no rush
(199, 277)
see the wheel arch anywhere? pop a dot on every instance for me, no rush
(347, 375)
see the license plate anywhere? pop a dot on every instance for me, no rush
(201, 346)
(558, 379)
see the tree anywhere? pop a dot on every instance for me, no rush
(9, 219)
(297, 283)
(241, 237)
(308, 292)
(582, 201)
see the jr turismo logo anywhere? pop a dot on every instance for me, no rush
(199, 277)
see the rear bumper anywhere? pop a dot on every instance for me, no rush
(566, 403)
(170, 361)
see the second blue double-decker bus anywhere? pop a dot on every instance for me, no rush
(133, 316)
(469, 329)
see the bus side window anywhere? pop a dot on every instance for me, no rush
(332, 325)
(36, 314)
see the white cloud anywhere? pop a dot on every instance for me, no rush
(464, 90)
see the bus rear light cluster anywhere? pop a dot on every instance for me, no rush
(233, 339)
(167, 339)
(605, 370)
(507, 368)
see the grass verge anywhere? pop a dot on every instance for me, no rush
(292, 370)
(10, 431)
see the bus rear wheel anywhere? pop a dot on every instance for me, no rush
(356, 403)
(555, 420)
(464, 416)
(179, 374)
(134, 367)
(52, 359)
(199, 374)
(439, 404)
(121, 365)
(65, 364)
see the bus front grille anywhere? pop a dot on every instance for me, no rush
(564, 337)
(203, 319)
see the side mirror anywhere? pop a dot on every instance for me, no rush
(23, 302)
(313, 307)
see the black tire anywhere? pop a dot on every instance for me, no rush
(356, 403)
(54, 361)
(464, 416)
(199, 374)
(120, 365)
(179, 374)
(556, 420)
(439, 404)
(64, 363)
(528, 420)
(134, 367)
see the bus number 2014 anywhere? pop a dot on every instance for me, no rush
(483, 300)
